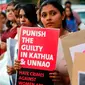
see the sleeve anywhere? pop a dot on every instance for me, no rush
(77, 17)
(61, 65)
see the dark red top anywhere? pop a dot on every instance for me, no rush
(11, 33)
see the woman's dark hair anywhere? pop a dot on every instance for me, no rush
(41, 1)
(57, 5)
(71, 15)
(2, 13)
(68, 2)
(30, 12)
(17, 6)
(9, 25)
(12, 3)
(54, 3)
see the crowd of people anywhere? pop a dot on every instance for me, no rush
(48, 14)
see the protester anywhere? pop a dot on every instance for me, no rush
(10, 32)
(75, 14)
(71, 23)
(28, 17)
(4, 19)
(1, 30)
(11, 25)
(1, 25)
(52, 16)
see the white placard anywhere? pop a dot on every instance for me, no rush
(77, 48)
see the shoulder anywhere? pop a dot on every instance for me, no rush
(65, 33)
(74, 13)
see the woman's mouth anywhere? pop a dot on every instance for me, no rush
(49, 24)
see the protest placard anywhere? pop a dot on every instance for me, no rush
(68, 41)
(33, 77)
(10, 53)
(38, 53)
(78, 71)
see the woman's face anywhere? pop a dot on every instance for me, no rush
(67, 12)
(10, 13)
(3, 19)
(23, 19)
(51, 17)
(1, 23)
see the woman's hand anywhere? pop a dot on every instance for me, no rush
(58, 77)
(10, 70)
(55, 76)
(17, 65)
(3, 45)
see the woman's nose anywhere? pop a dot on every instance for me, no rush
(48, 18)
(23, 19)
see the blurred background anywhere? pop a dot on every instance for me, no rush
(77, 5)
(35, 1)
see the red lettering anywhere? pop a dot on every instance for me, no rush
(39, 84)
(27, 78)
(23, 73)
(25, 83)
(36, 74)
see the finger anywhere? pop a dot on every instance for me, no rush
(55, 73)
(17, 67)
(9, 68)
(55, 77)
(17, 64)
(17, 61)
(9, 72)
(56, 80)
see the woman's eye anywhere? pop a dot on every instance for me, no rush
(52, 13)
(44, 15)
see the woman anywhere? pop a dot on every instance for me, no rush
(27, 17)
(1, 25)
(4, 19)
(11, 22)
(52, 16)
(71, 23)
(11, 25)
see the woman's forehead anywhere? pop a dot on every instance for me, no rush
(11, 6)
(22, 11)
(48, 7)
